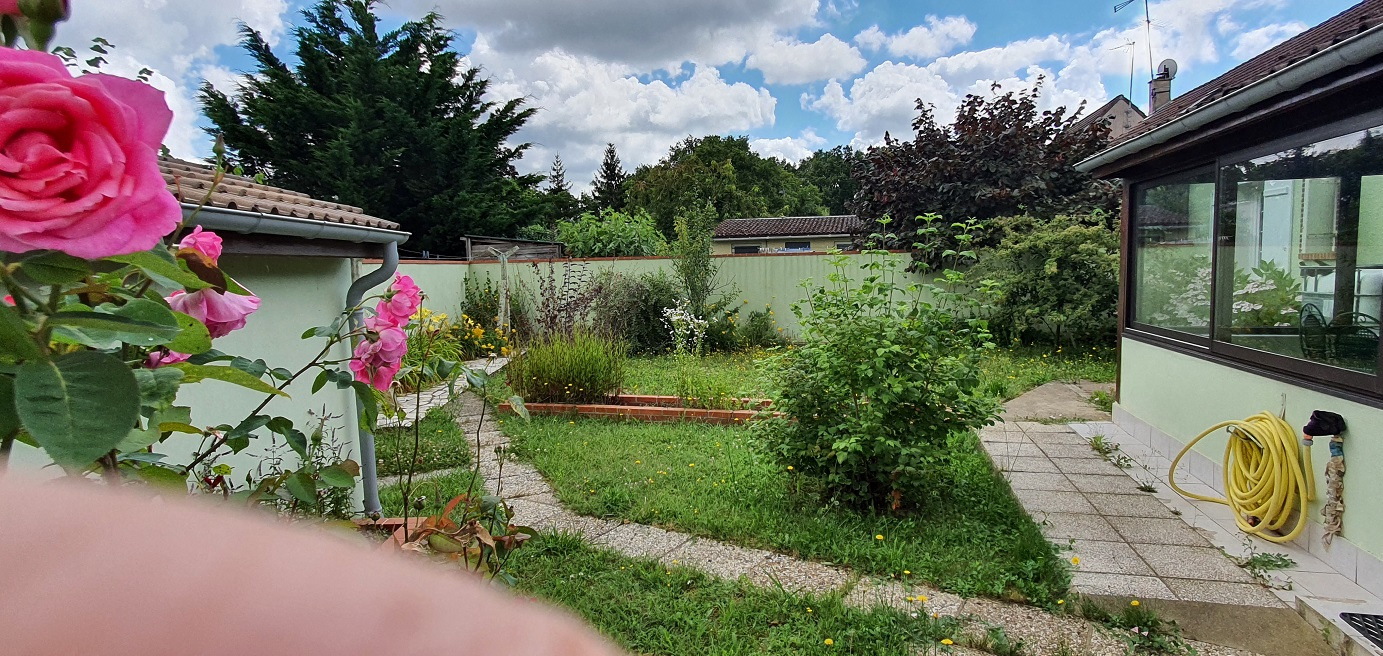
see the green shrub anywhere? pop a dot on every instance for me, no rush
(441, 445)
(631, 307)
(577, 367)
(886, 374)
(611, 234)
(1055, 280)
(760, 330)
(481, 302)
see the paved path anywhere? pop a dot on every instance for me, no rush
(536, 505)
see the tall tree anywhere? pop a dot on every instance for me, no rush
(725, 172)
(1001, 157)
(608, 187)
(391, 122)
(831, 172)
(561, 205)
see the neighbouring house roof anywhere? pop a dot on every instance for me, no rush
(189, 182)
(1121, 113)
(1348, 24)
(789, 226)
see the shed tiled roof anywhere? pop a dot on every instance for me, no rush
(1347, 24)
(789, 226)
(189, 182)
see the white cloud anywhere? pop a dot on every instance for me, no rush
(788, 61)
(175, 38)
(937, 37)
(790, 149)
(872, 39)
(1254, 42)
(646, 35)
(883, 99)
(584, 102)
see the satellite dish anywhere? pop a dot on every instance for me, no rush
(1167, 69)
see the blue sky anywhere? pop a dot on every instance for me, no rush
(793, 75)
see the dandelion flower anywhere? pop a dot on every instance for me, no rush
(830, 642)
(1133, 603)
(1075, 560)
(879, 536)
(947, 641)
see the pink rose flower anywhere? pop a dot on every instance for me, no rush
(206, 243)
(10, 8)
(221, 313)
(379, 357)
(400, 303)
(79, 160)
(159, 358)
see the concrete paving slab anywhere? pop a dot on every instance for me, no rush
(1054, 400)
(1182, 562)
(1104, 484)
(1039, 481)
(1129, 505)
(1121, 585)
(1086, 466)
(998, 450)
(1068, 526)
(1042, 464)
(1048, 501)
(1146, 530)
(642, 541)
(1224, 592)
(1065, 438)
(799, 576)
(726, 561)
(1069, 451)
(1109, 558)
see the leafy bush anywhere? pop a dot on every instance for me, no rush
(611, 234)
(434, 337)
(564, 302)
(691, 256)
(1055, 281)
(886, 374)
(631, 307)
(1266, 295)
(760, 330)
(481, 301)
(577, 367)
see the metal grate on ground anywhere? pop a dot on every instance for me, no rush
(1371, 626)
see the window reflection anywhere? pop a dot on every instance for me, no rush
(1300, 269)
(1171, 258)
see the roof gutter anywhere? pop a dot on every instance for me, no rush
(240, 221)
(259, 223)
(1346, 53)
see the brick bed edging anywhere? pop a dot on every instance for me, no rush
(642, 407)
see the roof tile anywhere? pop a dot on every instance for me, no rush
(789, 226)
(190, 181)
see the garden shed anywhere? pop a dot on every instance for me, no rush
(1252, 264)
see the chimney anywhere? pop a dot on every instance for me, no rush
(1160, 87)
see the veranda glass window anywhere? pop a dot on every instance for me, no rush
(1172, 228)
(1300, 266)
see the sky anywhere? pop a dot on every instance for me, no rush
(792, 75)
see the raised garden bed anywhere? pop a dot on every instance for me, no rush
(645, 407)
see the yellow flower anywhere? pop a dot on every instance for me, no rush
(830, 642)
(789, 467)
(1060, 602)
(879, 537)
(1133, 603)
(1075, 560)
(809, 609)
(907, 573)
(947, 641)
(638, 462)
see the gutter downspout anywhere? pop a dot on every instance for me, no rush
(369, 476)
(1345, 53)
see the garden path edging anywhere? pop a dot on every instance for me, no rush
(535, 504)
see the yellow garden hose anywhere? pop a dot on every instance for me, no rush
(1267, 474)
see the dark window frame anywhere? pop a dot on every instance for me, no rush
(1355, 386)
(787, 245)
(741, 250)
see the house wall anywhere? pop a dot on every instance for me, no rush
(296, 294)
(768, 281)
(1174, 397)
(820, 244)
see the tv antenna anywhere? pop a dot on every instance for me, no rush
(1147, 23)
(1131, 54)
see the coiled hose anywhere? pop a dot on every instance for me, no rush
(1267, 474)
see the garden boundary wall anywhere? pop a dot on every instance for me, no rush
(770, 281)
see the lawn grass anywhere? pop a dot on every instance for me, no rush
(1008, 372)
(742, 374)
(712, 481)
(442, 445)
(649, 608)
(435, 493)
